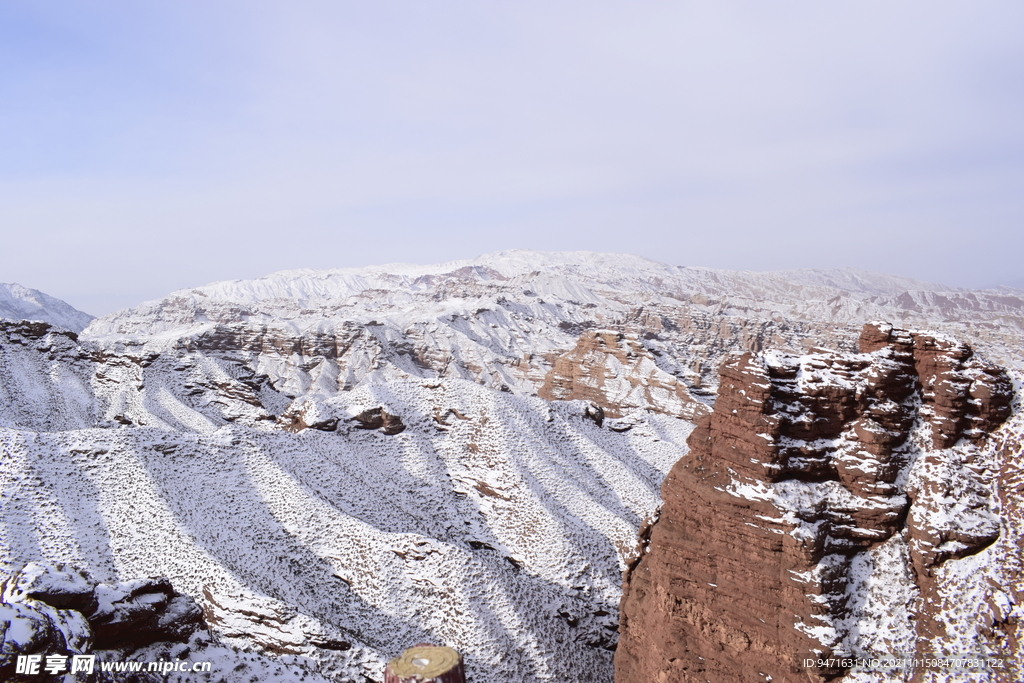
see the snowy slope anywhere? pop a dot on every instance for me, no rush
(579, 277)
(502, 533)
(21, 303)
(168, 439)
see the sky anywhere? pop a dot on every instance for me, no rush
(148, 147)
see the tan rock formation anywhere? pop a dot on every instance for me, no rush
(618, 373)
(426, 663)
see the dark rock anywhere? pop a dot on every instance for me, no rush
(63, 609)
(142, 611)
(378, 418)
(59, 585)
(392, 424)
(33, 627)
(370, 419)
(595, 413)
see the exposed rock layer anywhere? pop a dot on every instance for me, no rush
(59, 610)
(803, 466)
(171, 425)
(617, 372)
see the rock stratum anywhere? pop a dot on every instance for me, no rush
(336, 465)
(815, 514)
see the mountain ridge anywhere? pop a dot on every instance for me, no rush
(319, 285)
(22, 303)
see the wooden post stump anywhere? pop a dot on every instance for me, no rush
(426, 663)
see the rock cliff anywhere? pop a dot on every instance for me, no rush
(816, 480)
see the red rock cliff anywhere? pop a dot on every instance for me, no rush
(800, 472)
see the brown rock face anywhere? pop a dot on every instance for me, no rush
(965, 397)
(618, 373)
(806, 464)
(1011, 484)
(378, 418)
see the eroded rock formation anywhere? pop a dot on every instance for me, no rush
(378, 418)
(812, 474)
(59, 610)
(618, 373)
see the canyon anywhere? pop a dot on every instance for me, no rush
(336, 465)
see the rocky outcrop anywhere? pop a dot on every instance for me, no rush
(378, 418)
(807, 468)
(618, 373)
(308, 414)
(963, 396)
(142, 611)
(271, 627)
(60, 610)
(1005, 614)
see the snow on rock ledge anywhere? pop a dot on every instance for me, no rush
(811, 475)
(57, 609)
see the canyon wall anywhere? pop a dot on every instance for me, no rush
(811, 514)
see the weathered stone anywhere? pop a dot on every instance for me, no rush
(308, 414)
(142, 611)
(618, 373)
(791, 476)
(59, 585)
(60, 610)
(378, 418)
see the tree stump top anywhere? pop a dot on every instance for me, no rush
(425, 662)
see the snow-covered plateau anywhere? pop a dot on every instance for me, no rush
(337, 465)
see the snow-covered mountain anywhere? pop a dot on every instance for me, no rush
(401, 293)
(22, 303)
(508, 319)
(339, 464)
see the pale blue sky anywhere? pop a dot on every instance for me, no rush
(151, 146)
